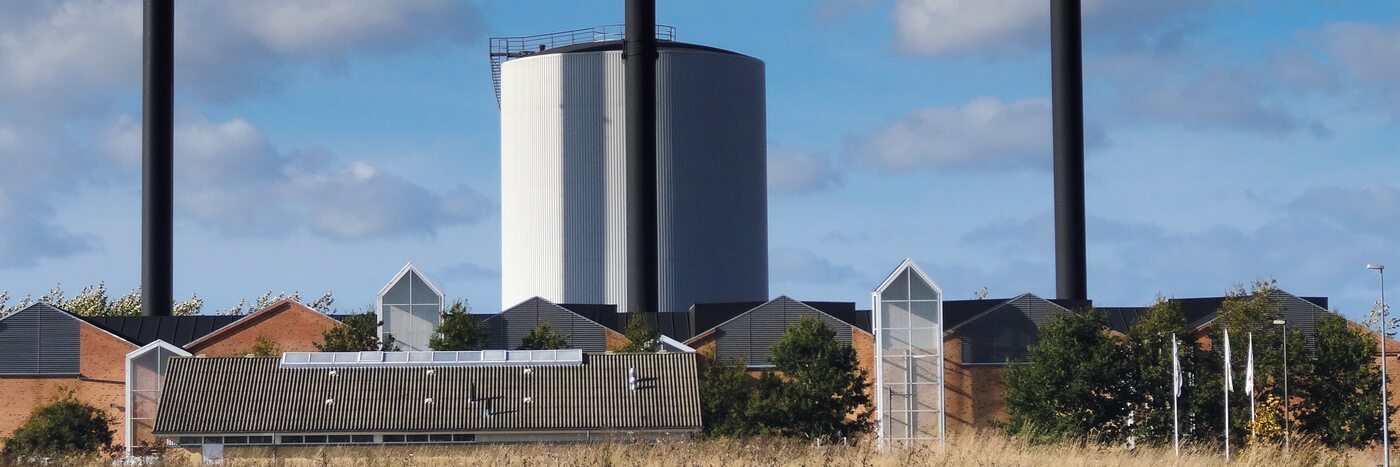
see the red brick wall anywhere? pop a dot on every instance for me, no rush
(292, 326)
(102, 384)
(614, 341)
(975, 394)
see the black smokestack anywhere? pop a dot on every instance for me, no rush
(157, 158)
(639, 51)
(1067, 83)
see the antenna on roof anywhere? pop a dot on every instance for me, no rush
(981, 294)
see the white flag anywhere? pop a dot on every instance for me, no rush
(1249, 367)
(1229, 376)
(1176, 370)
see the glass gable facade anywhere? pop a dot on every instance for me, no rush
(410, 308)
(145, 377)
(908, 327)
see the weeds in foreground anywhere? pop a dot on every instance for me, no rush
(980, 449)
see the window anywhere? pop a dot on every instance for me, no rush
(362, 439)
(293, 439)
(315, 439)
(188, 441)
(393, 438)
(410, 309)
(259, 440)
(908, 315)
(145, 377)
(235, 440)
(464, 438)
(338, 439)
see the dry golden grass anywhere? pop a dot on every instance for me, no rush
(985, 449)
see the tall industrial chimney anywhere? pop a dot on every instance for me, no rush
(1067, 83)
(639, 52)
(157, 158)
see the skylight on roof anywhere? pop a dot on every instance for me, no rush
(478, 358)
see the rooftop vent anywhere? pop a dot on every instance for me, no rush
(466, 358)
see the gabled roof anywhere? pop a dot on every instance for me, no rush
(780, 299)
(176, 330)
(255, 395)
(410, 267)
(1003, 304)
(908, 264)
(284, 304)
(507, 328)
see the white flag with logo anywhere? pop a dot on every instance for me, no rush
(1229, 376)
(1249, 367)
(1176, 369)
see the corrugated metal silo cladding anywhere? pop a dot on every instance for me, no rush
(563, 188)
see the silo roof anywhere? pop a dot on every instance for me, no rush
(602, 46)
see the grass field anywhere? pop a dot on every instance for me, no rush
(965, 450)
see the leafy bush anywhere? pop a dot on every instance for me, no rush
(63, 426)
(543, 337)
(459, 330)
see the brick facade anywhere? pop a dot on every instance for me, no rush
(291, 325)
(102, 383)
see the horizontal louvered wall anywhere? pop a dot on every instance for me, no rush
(39, 340)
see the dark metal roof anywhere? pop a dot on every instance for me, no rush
(254, 395)
(706, 316)
(955, 312)
(671, 324)
(176, 330)
(1121, 318)
(605, 315)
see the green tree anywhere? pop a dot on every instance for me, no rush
(357, 333)
(822, 393)
(641, 337)
(459, 330)
(1342, 409)
(1149, 344)
(264, 347)
(1075, 386)
(725, 391)
(63, 425)
(1245, 313)
(543, 337)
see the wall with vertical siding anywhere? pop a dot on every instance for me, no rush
(564, 233)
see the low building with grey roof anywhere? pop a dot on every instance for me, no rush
(428, 397)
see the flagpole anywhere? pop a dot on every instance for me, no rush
(1227, 395)
(1176, 394)
(1253, 427)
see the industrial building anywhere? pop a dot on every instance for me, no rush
(566, 232)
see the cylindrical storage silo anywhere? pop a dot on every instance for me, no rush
(563, 178)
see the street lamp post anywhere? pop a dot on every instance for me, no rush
(1385, 402)
(1287, 404)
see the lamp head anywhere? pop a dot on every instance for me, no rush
(1279, 321)
(1377, 266)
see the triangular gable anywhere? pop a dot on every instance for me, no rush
(409, 268)
(1018, 301)
(751, 334)
(42, 339)
(787, 303)
(282, 305)
(507, 327)
(910, 265)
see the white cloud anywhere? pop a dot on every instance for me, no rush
(69, 67)
(1370, 55)
(935, 28)
(230, 178)
(940, 27)
(794, 172)
(987, 133)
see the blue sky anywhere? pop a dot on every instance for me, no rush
(321, 145)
